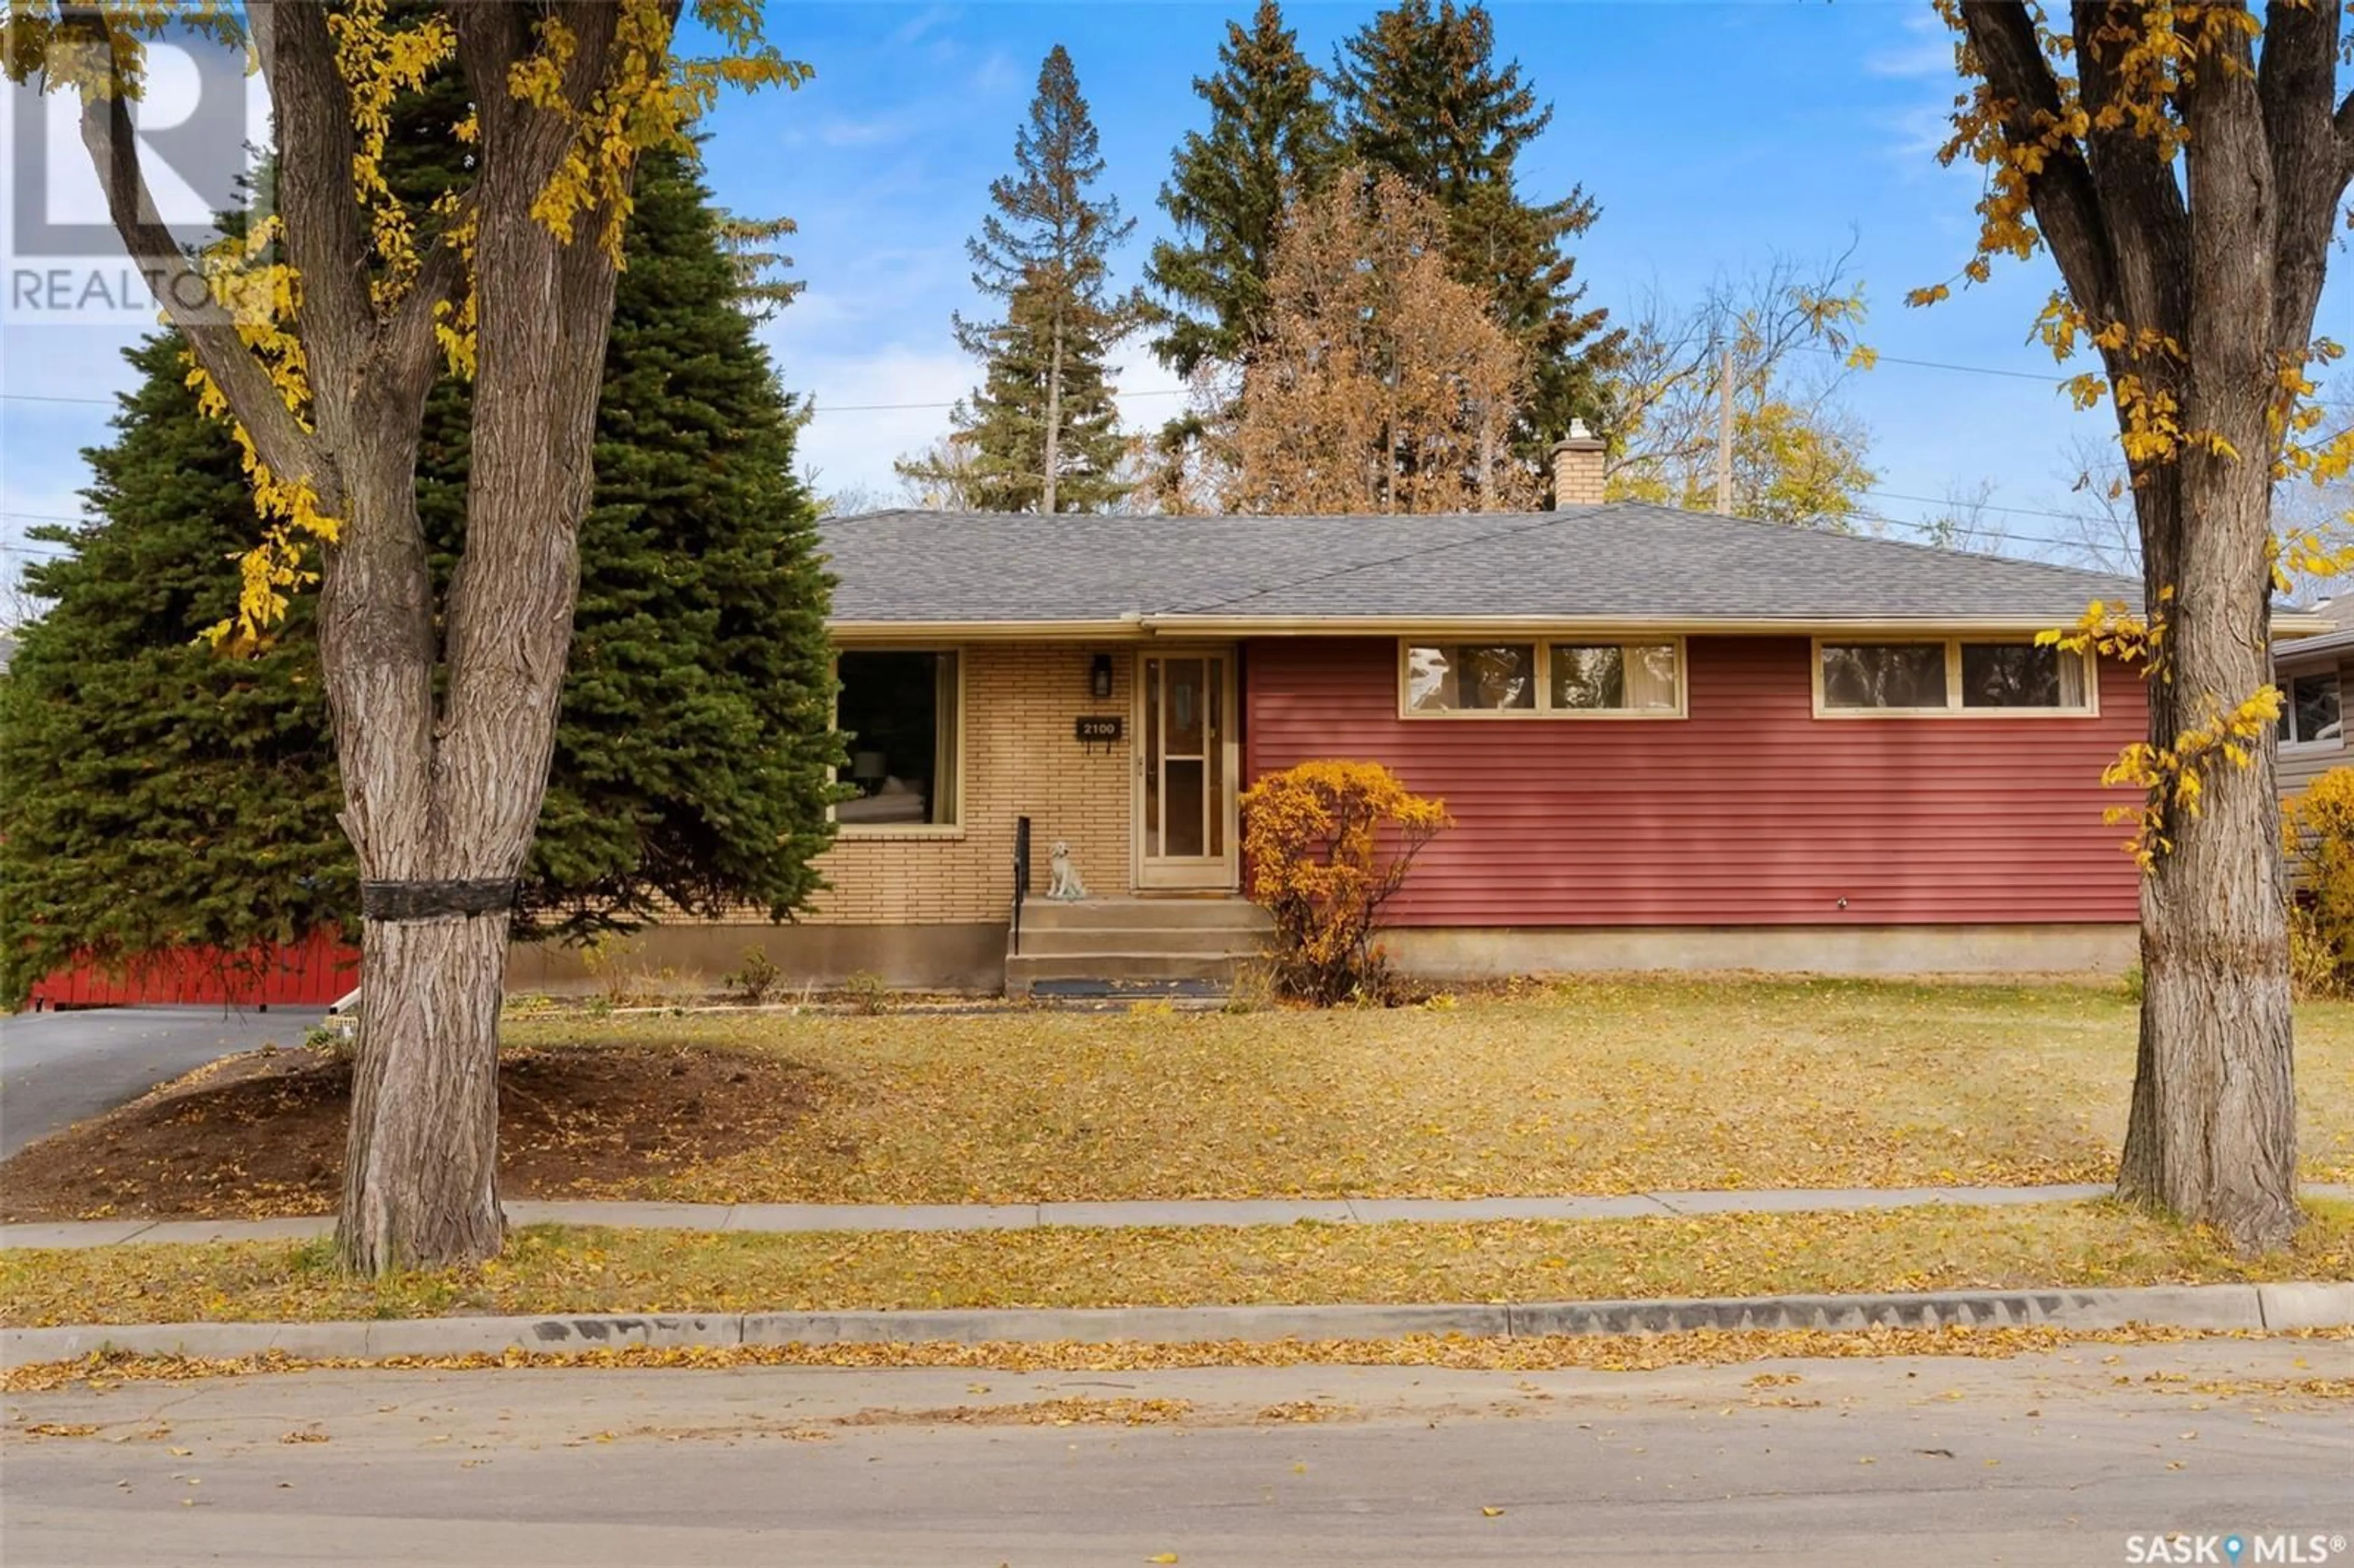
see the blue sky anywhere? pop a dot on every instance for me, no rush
(1715, 136)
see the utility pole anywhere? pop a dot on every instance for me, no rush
(1724, 434)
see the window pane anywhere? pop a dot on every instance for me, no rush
(1884, 675)
(2313, 708)
(1186, 707)
(1470, 677)
(2020, 675)
(1180, 830)
(1586, 676)
(897, 715)
(1633, 677)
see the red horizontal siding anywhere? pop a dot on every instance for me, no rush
(311, 973)
(1750, 811)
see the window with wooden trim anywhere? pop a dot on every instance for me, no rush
(2309, 713)
(899, 712)
(1580, 678)
(1987, 677)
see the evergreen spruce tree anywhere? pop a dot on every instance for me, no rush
(154, 795)
(1270, 143)
(1041, 429)
(1420, 93)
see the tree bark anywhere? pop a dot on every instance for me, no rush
(420, 1182)
(1054, 417)
(2211, 1135)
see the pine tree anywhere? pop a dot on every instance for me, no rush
(1270, 143)
(1420, 94)
(154, 795)
(1041, 427)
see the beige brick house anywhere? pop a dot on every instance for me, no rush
(1669, 740)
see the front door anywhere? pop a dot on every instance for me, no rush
(1185, 768)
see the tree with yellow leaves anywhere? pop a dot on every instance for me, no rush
(2184, 164)
(320, 336)
(1787, 332)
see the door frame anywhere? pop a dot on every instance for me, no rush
(1206, 874)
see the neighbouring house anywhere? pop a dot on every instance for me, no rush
(1670, 740)
(2310, 672)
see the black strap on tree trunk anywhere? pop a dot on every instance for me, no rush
(437, 900)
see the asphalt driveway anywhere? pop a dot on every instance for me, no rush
(58, 1068)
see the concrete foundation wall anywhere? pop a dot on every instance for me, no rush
(971, 956)
(959, 957)
(1496, 953)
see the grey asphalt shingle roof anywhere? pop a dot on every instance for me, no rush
(1621, 559)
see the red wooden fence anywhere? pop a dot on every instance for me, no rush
(311, 973)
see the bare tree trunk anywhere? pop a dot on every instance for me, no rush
(1487, 459)
(2212, 1132)
(421, 1182)
(1053, 417)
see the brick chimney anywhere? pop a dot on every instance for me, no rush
(1577, 468)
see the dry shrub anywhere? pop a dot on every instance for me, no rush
(1329, 844)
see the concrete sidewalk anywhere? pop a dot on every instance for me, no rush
(778, 1217)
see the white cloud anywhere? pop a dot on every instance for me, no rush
(874, 131)
(1927, 50)
(995, 75)
(923, 21)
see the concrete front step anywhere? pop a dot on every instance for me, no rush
(1142, 915)
(1072, 941)
(1023, 971)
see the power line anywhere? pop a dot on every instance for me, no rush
(2052, 379)
(1975, 506)
(51, 398)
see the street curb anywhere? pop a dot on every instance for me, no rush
(2303, 1305)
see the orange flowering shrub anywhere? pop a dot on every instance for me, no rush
(1328, 843)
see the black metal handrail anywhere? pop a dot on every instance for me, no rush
(1021, 874)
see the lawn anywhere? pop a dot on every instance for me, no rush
(1582, 1087)
(556, 1269)
(1588, 1087)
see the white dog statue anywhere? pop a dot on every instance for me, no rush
(1065, 883)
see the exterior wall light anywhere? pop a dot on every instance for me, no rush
(1099, 676)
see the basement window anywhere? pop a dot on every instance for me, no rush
(900, 712)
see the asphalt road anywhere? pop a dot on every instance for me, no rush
(58, 1068)
(2057, 1458)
